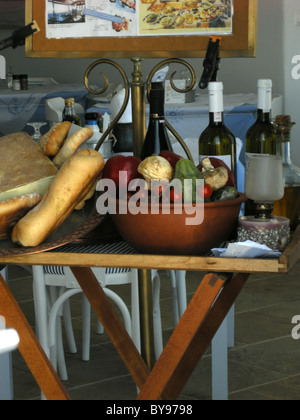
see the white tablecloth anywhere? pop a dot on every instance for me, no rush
(190, 119)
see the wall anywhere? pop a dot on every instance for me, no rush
(239, 74)
(291, 74)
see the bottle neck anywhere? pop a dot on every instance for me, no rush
(216, 106)
(157, 100)
(264, 115)
(70, 110)
(264, 99)
(216, 118)
(286, 152)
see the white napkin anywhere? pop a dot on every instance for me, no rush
(247, 249)
(116, 104)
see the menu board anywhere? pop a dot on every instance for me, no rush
(141, 28)
(137, 18)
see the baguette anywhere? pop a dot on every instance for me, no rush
(11, 211)
(52, 141)
(71, 145)
(69, 187)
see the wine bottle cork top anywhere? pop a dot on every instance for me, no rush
(283, 119)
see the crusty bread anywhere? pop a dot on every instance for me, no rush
(87, 197)
(24, 167)
(70, 186)
(11, 211)
(52, 141)
(71, 145)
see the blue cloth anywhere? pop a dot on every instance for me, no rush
(17, 108)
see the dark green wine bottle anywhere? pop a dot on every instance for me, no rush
(157, 138)
(217, 140)
(261, 136)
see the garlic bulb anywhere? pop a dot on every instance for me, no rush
(155, 167)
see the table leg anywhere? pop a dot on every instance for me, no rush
(111, 323)
(146, 317)
(30, 347)
(197, 327)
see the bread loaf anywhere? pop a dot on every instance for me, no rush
(11, 211)
(24, 168)
(71, 145)
(69, 187)
(52, 141)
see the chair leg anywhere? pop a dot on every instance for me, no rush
(69, 327)
(60, 354)
(99, 328)
(230, 326)
(174, 294)
(135, 310)
(40, 303)
(220, 364)
(86, 328)
(181, 292)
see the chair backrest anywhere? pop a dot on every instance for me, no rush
(54, 109)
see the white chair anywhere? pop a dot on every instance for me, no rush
(9, 341)
(54, 108)
(53, 286)
(61, 285)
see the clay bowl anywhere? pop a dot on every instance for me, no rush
(169, 234)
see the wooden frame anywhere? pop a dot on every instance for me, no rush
(242, 42)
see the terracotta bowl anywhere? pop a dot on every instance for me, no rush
(169, 234)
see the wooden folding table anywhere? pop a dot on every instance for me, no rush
(208, 308)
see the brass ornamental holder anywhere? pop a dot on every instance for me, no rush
(138, 95)
(138, 88)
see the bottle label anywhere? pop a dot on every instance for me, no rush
(225, 158)
(218, 117)
(264, 99)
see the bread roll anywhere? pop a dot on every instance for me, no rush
(70, 186)
(11, 211)
(71, 145)
(52, 141)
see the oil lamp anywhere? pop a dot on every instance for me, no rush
(265, 185)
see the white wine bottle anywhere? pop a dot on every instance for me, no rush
(261, 136)
(217, 140)
(157, 138)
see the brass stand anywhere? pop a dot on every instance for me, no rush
(138, 107)
(138, 88)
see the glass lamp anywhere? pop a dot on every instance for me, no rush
(265, 185)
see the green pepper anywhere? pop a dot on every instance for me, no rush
(186, 170)
(225, 193)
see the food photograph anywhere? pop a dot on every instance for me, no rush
(149, 202)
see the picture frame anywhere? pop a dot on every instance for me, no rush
(240, 43)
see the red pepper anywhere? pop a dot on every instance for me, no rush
(118, 163)
(171, 157)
